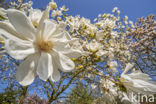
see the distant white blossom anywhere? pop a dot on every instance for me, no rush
(95, 46)
(113, 65)
(56, 13)
(137, 81)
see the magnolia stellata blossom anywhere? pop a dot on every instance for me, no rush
(107, 23)
(114, 34)
(64, 9)
(53, 4)
(56, 13)
(74, 22)
(107, 84)
(35, 16)
(100, 35)
(113, 65)
(44, 48)
(115, 9)
(87, 26)
(137, 81)
(95, 46)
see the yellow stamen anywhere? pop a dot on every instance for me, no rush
(45, 45)
(35, 24)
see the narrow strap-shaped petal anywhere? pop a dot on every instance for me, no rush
(55, 76)
(128, 67)
(26, 71)
(19, 50)
(48, 28)
(22, 23)
(45, 66)
(44, 16)
(64, 63)
(35, 15)
(66, 50)
(8, 31)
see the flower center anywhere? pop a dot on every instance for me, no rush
(45, 45)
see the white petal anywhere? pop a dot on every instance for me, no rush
(139, 75)
(128, 67)
(61, 45)
(48, 28)
(64, 63)
(59, 33)
(44, 16)
(45, 66)
(55, 74)
(8, 31)
(100, 35)
(73, 53)
(35, 15)
(26, 71)
(2, 11)
(61, 39)
(19, 50)
(22, 23)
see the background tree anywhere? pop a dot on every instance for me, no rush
(142, 44)
(80, 94)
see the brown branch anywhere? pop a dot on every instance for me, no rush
(23, 94)
(64, 88)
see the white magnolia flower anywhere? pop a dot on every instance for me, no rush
(126, 18)
(45, 48)
(107, 23)
(35, 16)
(114, 34)
(107, 84)
(113, 66)
(87, 26)
(109, 53)
(137, 81)
(74, 23)
(64, 9)
(76, 46)
(94, 46)
(53, 4)
(115, 9)
(100, 35)
(111, 91)
(56, 13)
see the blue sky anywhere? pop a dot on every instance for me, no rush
(91, 8)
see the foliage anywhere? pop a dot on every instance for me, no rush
(80, 94)
(9, 96)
